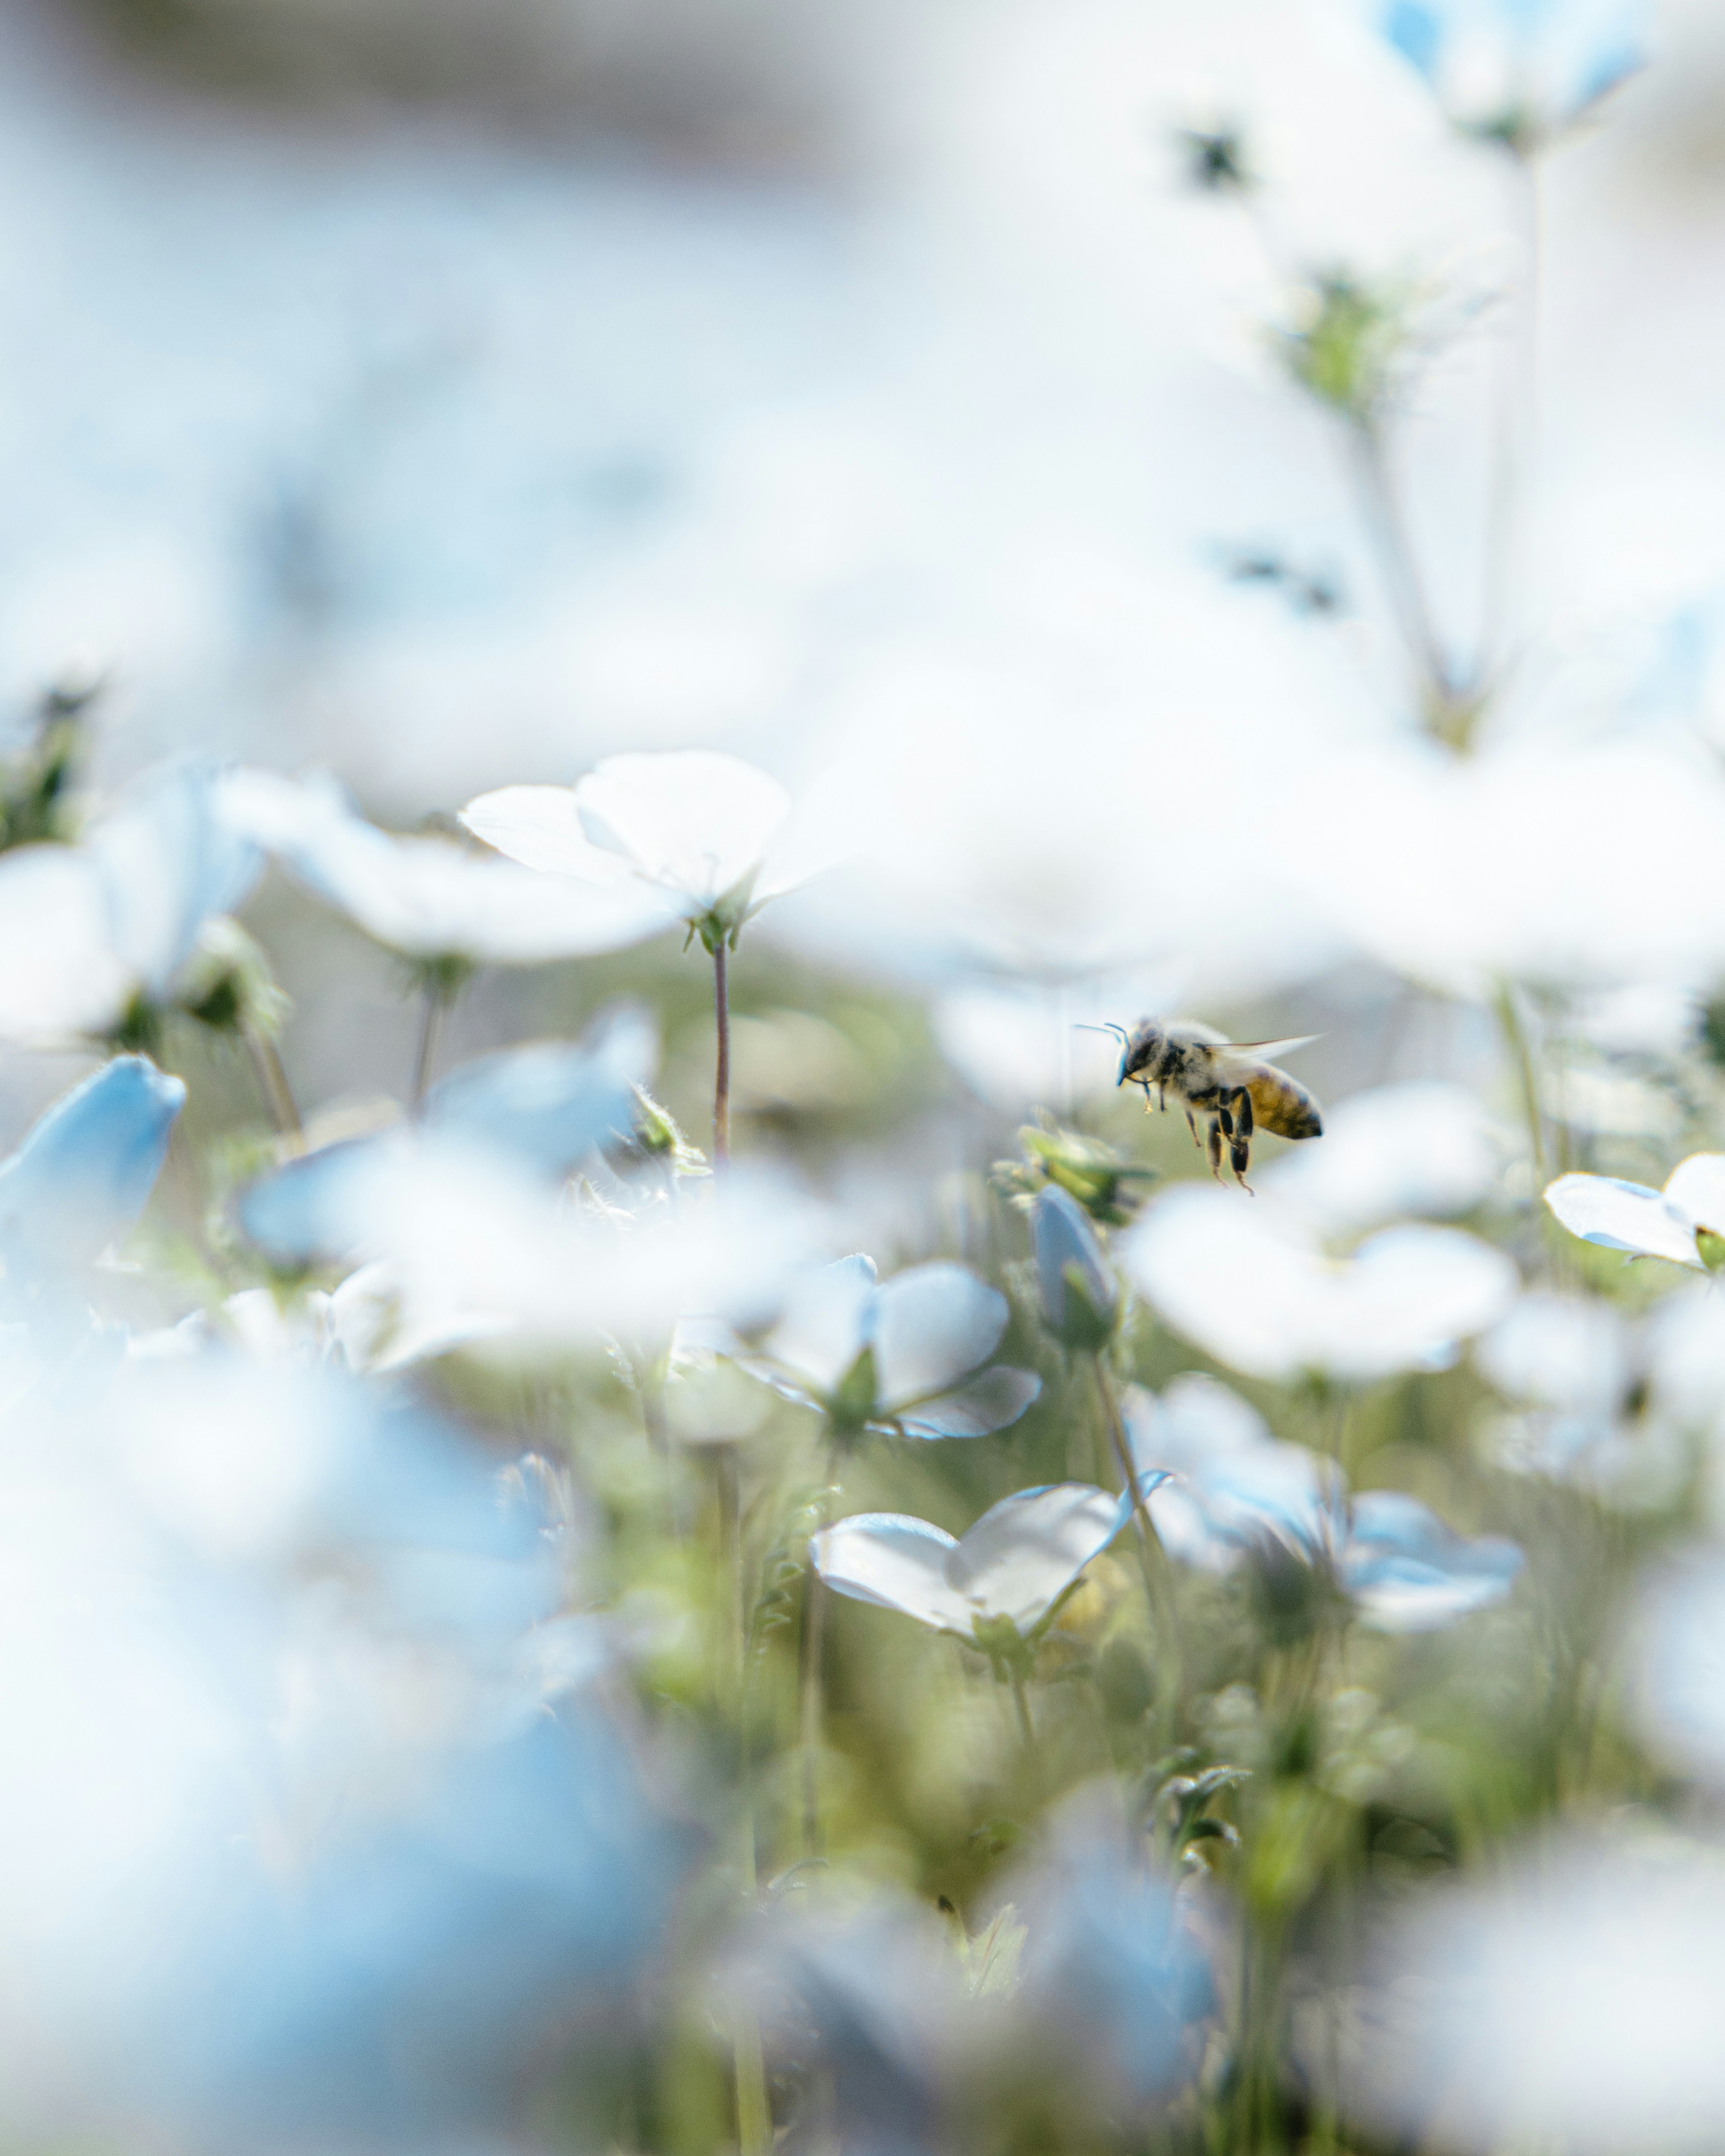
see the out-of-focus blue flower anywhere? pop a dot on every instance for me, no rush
(895, 1358)
(1081, 1298)
(328, 1837)
(1406, 1572)
(89, 931)
(550, 1105)
(540, 1109)
(872, 1995)
(1011, 1568)
(1117, 1989)
(1518, 70)
(1238, 1492)
(83, 1175)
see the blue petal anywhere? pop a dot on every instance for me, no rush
(986, 1404)
(300, 1212)
(1416, 32)
(87, 1170)
(1061, 1236)
(548, 1105)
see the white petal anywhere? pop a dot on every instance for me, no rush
(539, 827)
(1623, 1216)
(896, 1563)
(1562, 1351)
(1026, 1551)
(931, 1325)
(168, 861)
(431, 898)
(1412, 1295)
(826, 1324)
(696, 822)
(59, 974)
(1425, 1148)
(1697, 1188)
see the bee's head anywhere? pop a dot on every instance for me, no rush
(1138, 1049)
(1141, 1049)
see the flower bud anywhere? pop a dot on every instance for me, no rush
(1090, 1170)
(1080, 1298)
(227, 984)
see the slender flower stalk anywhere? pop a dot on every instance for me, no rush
(1152, 1559)
(433, 1003)
(273, 1083)
(721, 1069)
(754, 2115)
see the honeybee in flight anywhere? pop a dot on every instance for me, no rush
(1231, 1083)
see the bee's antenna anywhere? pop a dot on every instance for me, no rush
(1118, 1031)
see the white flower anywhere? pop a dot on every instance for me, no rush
(710, 833)
(1685, 1222)
(1573, 2000)
(433, 898)
(86, 931)
(1011, 1568)
(1424, 1148)
(1249, 1284)
(1585, 866)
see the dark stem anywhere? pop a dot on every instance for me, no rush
(721, 1073)
(273, 1083)
(1407, 590)
(430, 1021)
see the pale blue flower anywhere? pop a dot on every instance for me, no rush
(1117, 1989)
(1518, 70)
(902, 1358)
(332, 1839)
(1237, 1493)
(1684, 1222)
(1012, 1568)
(542, 1110)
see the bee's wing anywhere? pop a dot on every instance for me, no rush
(1266, 1051)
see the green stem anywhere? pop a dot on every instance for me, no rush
(814, 1611)
(1021, 1702)
(1152, 1559)
(1520, 1056)
(721, 1069)
(754, 2113)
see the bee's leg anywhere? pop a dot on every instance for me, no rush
(1160, 1099)
(1193, 1127)
(1240, 1152)
(1225, 1117)
(1215, 1148)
